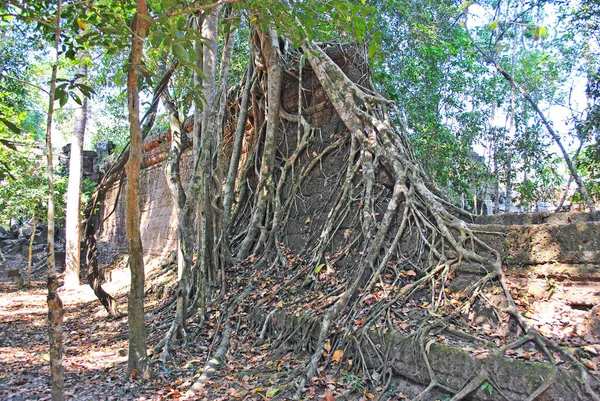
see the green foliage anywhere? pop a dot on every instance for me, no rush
(430, 66)
(487, 387)
(357, 382)
(589, 167)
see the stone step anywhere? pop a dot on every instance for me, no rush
(534, 244)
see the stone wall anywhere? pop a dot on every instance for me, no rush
(158, 228)
(157, 214)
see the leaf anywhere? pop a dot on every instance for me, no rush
(493, 25)
(465, 5)
(369, 395)
(81, 24)
(536, 34)
(272, 391)
(589, 364)
(337, 356)
(319, 268)
(258, 390)
(327, 346)
(543, 32)
(11, 127)
(180, 52)
(307, 220)
(329, 396)
(85, 89)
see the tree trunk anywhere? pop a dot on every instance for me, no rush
(55, 306)
(185, 228)
(237, 150)
(270, 50)
(30, 261)
(205, 243)
(72, 221)
(197, 78)
(137, 362)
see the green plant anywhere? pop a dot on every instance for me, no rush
(487, 387)
(550, 285)
(357, 383)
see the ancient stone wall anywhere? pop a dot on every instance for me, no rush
(158, 229)
(157, 213)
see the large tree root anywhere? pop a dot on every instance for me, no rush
(218, 357)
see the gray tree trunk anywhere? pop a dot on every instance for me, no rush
(72, 221)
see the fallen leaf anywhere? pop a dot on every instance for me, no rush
(337, 356)
(589, 364)
(329, 396)
(271, 392)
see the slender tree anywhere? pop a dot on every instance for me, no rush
(55, 306)
(72, 221)
(137, 362)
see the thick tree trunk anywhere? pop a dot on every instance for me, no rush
(72, 221)
(55, 306)
(205, 243)
(270, 50)
(137, 362)
(237, 150)
(185, 228)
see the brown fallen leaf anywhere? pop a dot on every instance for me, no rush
(337, 355)
(589, 364)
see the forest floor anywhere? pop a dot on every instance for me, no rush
(95, 357)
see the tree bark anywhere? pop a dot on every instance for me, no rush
(237, 150)
(72, 221)
(55, 306)
(137, 362)
(205, 244)
(31, 240)
(270, 51)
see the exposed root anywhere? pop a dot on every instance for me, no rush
(218, 357)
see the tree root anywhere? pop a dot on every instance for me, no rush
(218, 357)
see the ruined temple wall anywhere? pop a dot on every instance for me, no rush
(158, 222)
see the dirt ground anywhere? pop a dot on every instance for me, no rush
(95, 357)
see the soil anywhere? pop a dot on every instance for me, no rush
(95, 357)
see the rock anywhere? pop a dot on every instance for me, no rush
(14, 230)
(593, 326)
(13, 273)
(26, 230)
(59, 260)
